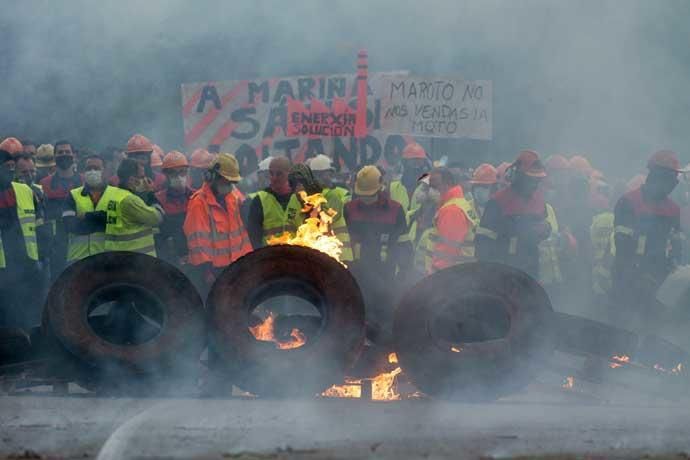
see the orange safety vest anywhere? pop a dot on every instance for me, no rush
(215, 234)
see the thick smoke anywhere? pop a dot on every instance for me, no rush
(603, 78)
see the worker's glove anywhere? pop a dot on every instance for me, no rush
(96, 217)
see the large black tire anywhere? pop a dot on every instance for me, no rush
(15, 345)
(173, 352)
(508, 315)
(259, 367)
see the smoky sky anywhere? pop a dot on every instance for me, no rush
(606, 78)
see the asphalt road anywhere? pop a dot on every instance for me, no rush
(539, 422)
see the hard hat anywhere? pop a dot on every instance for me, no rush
(12, 146)
(200, 159)
(263, 164)
(556, 162)
(45, 157)
(139, 144)
(580, 163)
(665, 159)
(635, 183)
(227, 166)
(529, 164)
(174, 159)
(596, 175)
(321, 162)
(501, 170)
(414, 150)
(368, 182)
(157, 156)
(485, 174)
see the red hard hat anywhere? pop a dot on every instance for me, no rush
(157, 156)
(12, 146)
(580, 163)
(485, 174)
(174, 159)
(138, 144)
(201, 159)
(528, 163)
(665, 159)
(557, 162)
(414, 150)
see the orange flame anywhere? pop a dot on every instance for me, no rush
(265, 332)
(618, 361)
(569, 382)
(315, 232)
(383, 386)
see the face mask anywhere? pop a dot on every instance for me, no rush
(138, 185)
(481, 195)
(223, 189)
(93, 178)
(64, 162)
(178, 183)
(370, 199)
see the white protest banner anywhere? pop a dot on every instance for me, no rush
(436, 107)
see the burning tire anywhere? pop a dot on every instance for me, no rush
(473, 331)
(123, 317)
(333, 337)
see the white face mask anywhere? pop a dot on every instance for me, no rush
(93, 178)
(481, 195)
(178, 183)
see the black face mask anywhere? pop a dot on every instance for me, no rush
(64, 162)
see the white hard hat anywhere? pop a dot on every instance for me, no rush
(320, 163)
(263, 164)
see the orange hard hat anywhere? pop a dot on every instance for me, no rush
(596, 175)
(414, 150)
(485, 174)
(556, 162)
(581, 164)
(635, 183)
(201, 159)
(139, 143)
(157, 156)
(12, 146)
(529, 164)
(174, 159)
(665, 159)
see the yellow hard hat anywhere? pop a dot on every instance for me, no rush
(227, 166)
(368, 182)
(45, 157)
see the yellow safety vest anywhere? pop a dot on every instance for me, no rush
(26, 213)
(335, 202)
(398, 193)
(121, 237)
(466, 247)
(549, 264)
(603, 251)
(82, 246)
(343, 193)
(278, 220)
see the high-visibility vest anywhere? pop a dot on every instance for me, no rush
(276, 219)
(549, 262)
(215, 234)
(82, 246)
(465, 249)
(603, 251)
(343, 193)
(339, 226)
(398, 193)
(26, 213)
(422, 252)
(125, 237)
